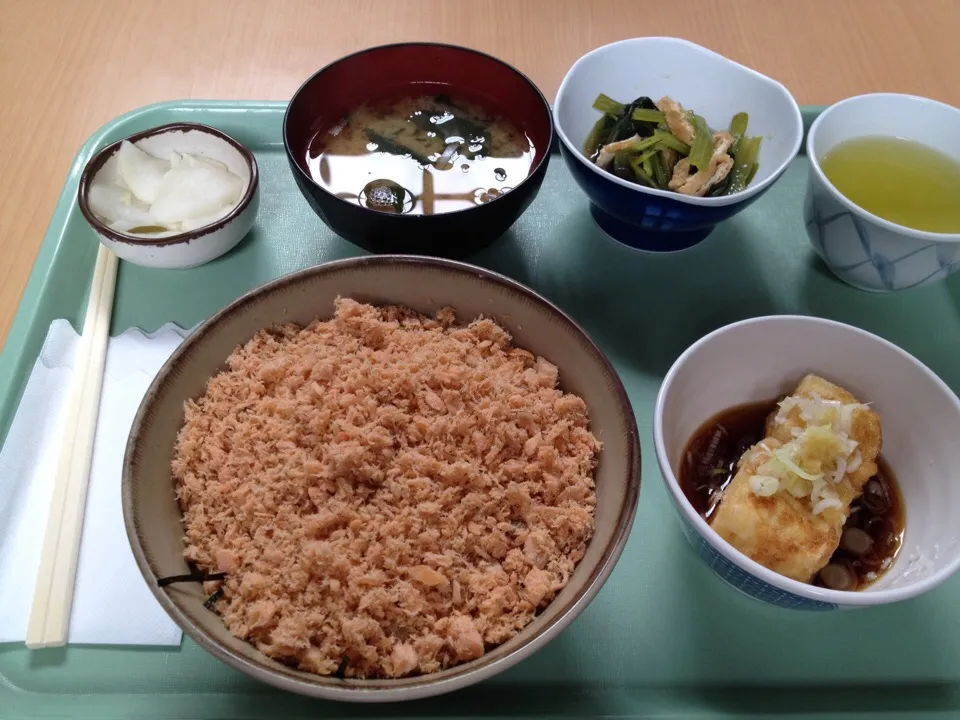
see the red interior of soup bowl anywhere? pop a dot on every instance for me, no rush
(416, 68)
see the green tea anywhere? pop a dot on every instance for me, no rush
(900, 180)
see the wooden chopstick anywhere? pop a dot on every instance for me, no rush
(53, 596)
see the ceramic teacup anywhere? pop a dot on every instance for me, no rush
(860, 248)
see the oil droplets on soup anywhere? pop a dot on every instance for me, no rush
(420, 155)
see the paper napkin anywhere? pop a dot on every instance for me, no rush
(112, 604)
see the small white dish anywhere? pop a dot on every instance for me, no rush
(762, 358)
(860, 248)
(193, 247)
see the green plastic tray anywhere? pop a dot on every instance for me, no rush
(665, 637)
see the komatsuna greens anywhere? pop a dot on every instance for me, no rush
(663, 146)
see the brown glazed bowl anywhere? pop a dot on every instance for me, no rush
(417, 68)
(152, 516)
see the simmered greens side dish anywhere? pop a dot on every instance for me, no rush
(663, 146)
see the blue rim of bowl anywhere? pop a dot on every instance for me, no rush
(722, 201)
(413, 218)
(865, 598)
(848, 203)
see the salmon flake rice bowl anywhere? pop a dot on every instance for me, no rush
(429, 491)
(387, 495)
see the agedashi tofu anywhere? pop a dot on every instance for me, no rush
(788, 502)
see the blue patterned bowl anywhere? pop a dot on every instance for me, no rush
(700, 79)
(761, 358)
(861, 249)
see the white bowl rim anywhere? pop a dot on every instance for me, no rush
(849, 204)
(687, 199)
(811, 592)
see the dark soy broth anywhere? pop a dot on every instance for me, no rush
(873, 533)
(420, 155)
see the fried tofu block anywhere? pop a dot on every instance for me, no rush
(781, 531)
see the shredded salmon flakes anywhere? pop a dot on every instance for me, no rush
(392, 489)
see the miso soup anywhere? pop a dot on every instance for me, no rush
(420, 155)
